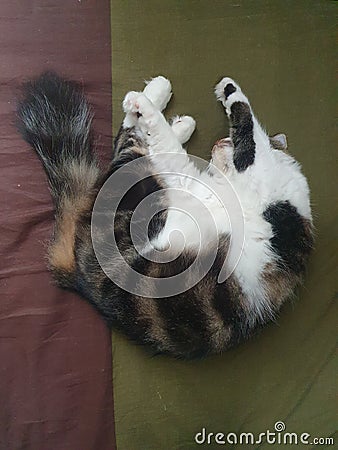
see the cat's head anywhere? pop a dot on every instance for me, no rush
(222, 151)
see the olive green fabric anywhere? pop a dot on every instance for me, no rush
(282, 54)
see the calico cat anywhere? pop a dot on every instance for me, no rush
(155, 301)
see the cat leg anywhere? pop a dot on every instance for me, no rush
(165, 143)
(158, 90)
(181, 126)
(160, 135)
(245, 132)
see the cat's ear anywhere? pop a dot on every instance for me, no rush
(279, 141)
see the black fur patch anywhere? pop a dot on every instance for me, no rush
(292, 239)
(228, 90)
(242, 135)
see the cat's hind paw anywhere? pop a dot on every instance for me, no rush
(183, 127)
(138, 105)
(158, 90)
(130, 102)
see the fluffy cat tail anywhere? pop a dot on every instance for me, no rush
(55, 119)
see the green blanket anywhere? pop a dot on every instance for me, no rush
(282, 54)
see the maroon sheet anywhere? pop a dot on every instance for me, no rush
(55, 373)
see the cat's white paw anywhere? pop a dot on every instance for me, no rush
(183, 127)
(158, 90)
(129, 102)
(228, 91)
(142, 109)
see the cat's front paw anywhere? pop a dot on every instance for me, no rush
(228, 92)
(183, 127)
(158, 90)
(226, 87)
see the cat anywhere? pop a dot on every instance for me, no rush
(148, 291)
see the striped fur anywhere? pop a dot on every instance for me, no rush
(209, 317)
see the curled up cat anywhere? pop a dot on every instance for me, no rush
(211, 254)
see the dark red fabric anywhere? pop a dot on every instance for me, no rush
(55, 355)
